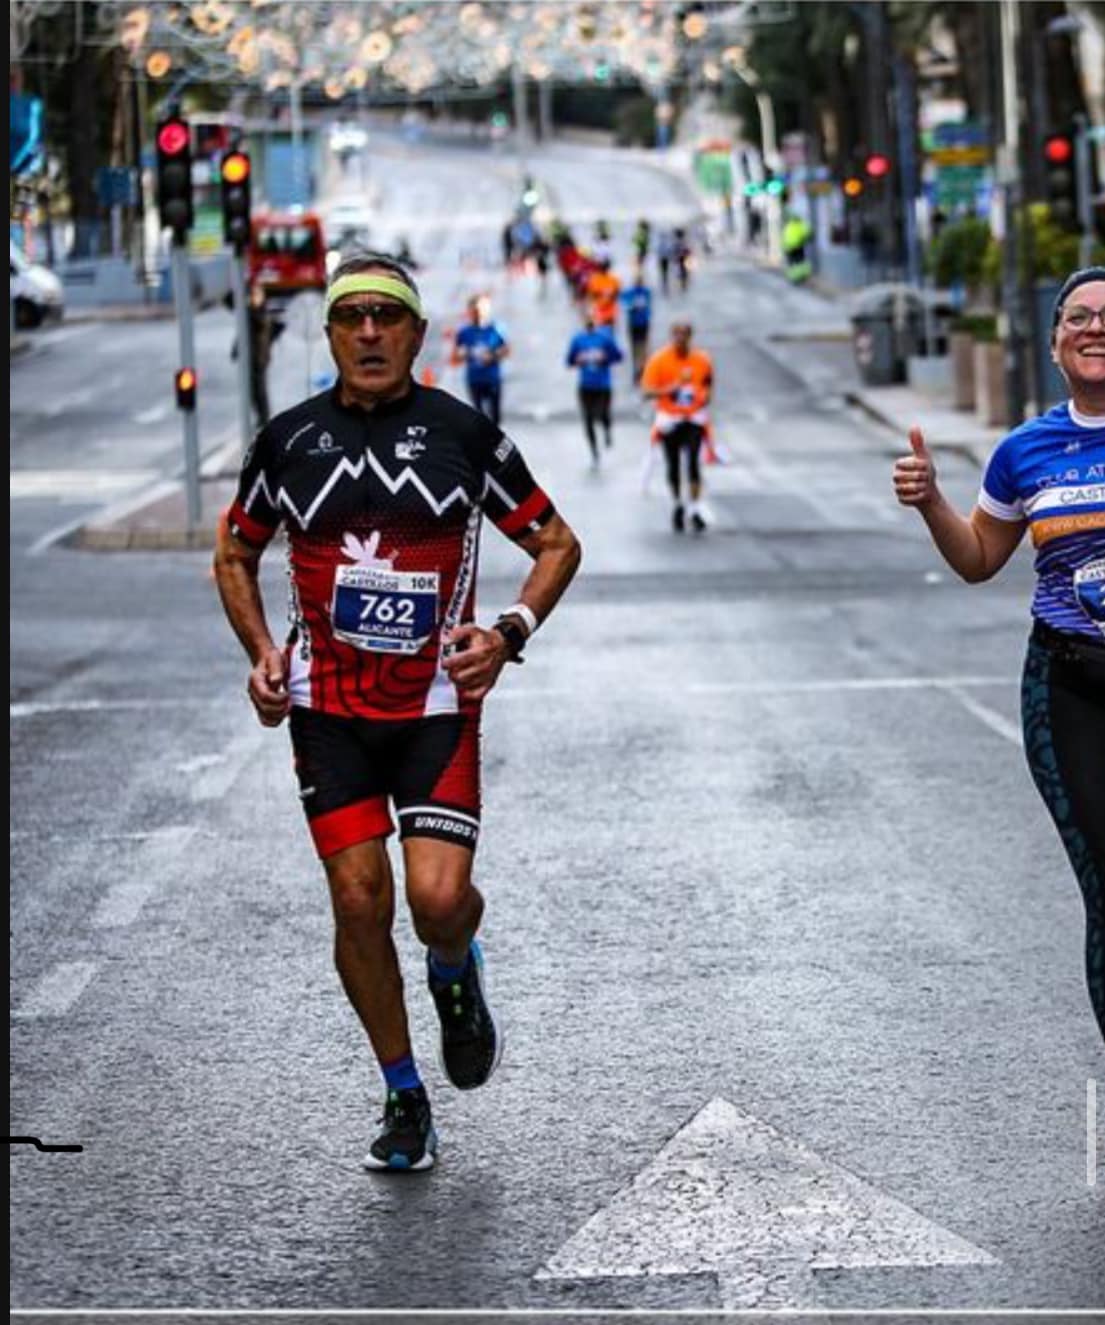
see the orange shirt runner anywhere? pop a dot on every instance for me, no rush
(603, 288)
(685, 380)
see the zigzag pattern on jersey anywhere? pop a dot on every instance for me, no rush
(353, 469)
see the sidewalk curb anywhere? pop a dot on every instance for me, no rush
(971, 451)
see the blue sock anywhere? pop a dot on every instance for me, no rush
(401, 1073)
(440, 971)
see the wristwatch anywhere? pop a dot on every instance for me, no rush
(514, 635)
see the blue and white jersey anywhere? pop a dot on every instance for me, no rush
(1051, 473)
(593, 352)
(481, 344)
(637, 300)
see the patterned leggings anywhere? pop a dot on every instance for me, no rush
(1063, 711)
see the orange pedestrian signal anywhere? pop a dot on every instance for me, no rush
(186, 388)
(852, 187)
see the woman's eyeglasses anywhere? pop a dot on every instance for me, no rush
(1080, 318)
(382, 315)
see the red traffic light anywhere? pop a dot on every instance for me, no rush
(172, 138)
(877, 165)
(1058, 149)
(235, 167)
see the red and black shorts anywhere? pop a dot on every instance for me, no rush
(349, 768)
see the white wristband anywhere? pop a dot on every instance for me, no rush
(527, 615)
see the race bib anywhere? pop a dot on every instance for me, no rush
(1089, 591)
(384, 611)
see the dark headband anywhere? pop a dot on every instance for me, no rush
(1073, 281)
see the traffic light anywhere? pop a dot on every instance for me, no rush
(877, 166)
(185, 382)
(1061, 178)
(235, 174)
(174, 176)
(852, 187)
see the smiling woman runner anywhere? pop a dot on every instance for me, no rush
(1048, 477)
(381, 484)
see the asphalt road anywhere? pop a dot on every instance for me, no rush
(786, 947)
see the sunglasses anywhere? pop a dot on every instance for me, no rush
(382, 315)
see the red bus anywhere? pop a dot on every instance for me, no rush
(287, 253)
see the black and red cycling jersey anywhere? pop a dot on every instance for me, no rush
(382, 511)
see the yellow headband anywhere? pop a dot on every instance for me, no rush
(360, 283)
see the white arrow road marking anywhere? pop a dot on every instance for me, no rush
(730, 1195)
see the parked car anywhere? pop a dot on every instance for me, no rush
(35, 291)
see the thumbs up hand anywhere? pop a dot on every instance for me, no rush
(915, 474)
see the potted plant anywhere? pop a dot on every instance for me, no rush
(956, 261)
(965, 330)
(991, 398)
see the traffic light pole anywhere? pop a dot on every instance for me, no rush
(245, 349)
(1084, 184)
(1011, 198)
(182, 298)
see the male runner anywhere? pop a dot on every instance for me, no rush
(380, 484)
(680, 379)
(481, 347)
(594, 351)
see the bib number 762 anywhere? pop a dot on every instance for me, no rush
(384, 611)
(387, 610)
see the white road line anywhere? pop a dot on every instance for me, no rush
(75, 484)
(215, 781)
(158, 859)
(952, 684)
(56, 992)
(844, 684)
(108, 514)
(34, 710)
(992, 719)
(128, 505)
(153, 415)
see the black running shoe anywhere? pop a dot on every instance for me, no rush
(471, 1043)
(408, 1140)
(677, 519)
(698, 524)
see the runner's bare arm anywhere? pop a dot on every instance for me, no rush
(236, 575)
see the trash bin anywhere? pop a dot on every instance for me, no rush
(873, 343)
(889, 324)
